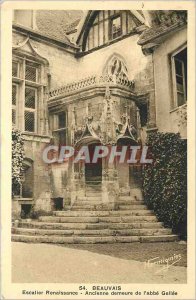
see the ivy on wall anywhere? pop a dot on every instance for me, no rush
(165, 180)
(17, 160)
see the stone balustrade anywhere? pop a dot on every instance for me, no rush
(91, 81)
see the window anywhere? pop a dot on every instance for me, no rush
(61, 120)
(179, 70)
(25, 94)
(115, 27)
(60, 125)
(31, 72)
(30, 109)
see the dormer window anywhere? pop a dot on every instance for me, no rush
(107, 26)
(115, 27)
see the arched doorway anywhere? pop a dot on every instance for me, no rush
(93, 170)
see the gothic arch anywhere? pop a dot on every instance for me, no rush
(115, 65)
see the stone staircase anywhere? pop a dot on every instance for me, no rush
(89, 220)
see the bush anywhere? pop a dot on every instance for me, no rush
(165, 181)
(17, 160)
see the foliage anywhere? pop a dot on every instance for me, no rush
(165, 180)
(17, 160)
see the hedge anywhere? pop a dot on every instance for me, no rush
(165, 180)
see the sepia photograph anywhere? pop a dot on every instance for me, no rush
(99, 151)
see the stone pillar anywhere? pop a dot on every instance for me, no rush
(110, 184)
(77, 186)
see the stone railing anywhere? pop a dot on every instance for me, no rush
(91, 81)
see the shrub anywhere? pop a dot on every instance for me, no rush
(17, 160)
(165, 181)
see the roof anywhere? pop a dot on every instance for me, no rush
(164, 27)
(71, 28)
(54, 23)
(88, 16)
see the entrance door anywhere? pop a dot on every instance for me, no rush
(93, 171)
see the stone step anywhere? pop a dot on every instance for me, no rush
(102, 213)
(63, 226)
(93, 194)
(82, 213)
(90, 207)
(111, 219)
(102, 206)
(128, 198)
(88, 200)
(129, 207)
(125, 193)
(69, 219)
(91, 240)
(130, 202)
(92, 188)
(136, 225)
(118, 203)
(92, 232)
(72, 226)
(128, 219)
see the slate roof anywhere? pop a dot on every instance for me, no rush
(54, 23)
(72, 27)
(158, 30)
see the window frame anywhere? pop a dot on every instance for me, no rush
(18, 68)
(22, 83)
(174, 81)
(33, 110)
(15, 106)
(110, 27)
(56, 129)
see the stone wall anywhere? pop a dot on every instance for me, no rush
(139, 66)
(41, 179)
(167, 117)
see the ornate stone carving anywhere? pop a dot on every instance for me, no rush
(92, 81)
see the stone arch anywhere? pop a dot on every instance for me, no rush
(116, 65)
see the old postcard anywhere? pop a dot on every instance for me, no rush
(98, 150)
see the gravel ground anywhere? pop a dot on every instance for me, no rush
(138, 251)
(42, 263)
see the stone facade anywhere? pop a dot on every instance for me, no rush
(112, 93)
